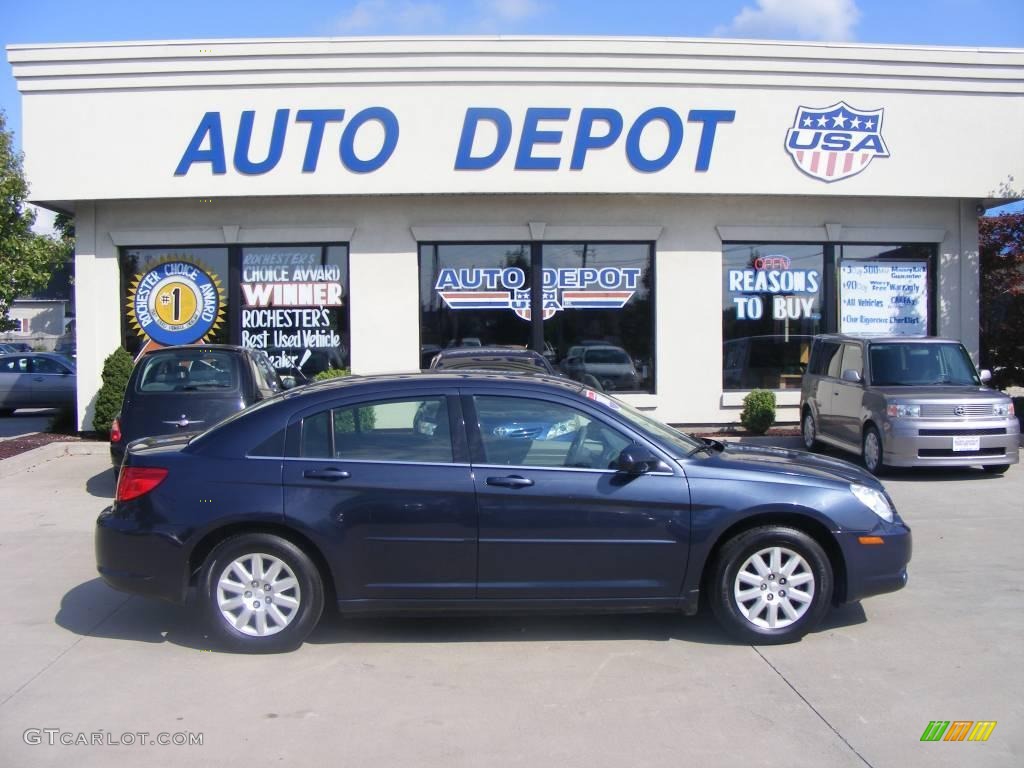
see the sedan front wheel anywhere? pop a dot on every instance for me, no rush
(771, 585)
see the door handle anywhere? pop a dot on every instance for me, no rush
(511, 481)
(327, 474)
(38, 378)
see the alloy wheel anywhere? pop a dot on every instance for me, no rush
(258, 594)
(774, 588)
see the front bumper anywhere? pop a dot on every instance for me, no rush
(874, 569)
(143, 561)
(929, 442)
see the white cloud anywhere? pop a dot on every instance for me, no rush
(800, 19)
(391, 16)
(508, 10)
(382, 17)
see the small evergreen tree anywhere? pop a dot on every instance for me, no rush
(116, 370)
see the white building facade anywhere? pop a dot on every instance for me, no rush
(675, 217)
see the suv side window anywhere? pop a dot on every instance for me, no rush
(853, 359)
(415, 431)
(832, 359)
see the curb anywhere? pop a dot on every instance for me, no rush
(45, 453)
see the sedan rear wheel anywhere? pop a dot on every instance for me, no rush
(771, 585)
(262, 593)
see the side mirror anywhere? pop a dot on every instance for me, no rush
(288, 381)
(636, 460)
(986, 375)
(852, 376)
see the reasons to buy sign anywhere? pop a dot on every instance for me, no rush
(889, 297)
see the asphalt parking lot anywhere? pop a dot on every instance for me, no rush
(561, 691)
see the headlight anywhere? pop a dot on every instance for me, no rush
(873, 500)
(1003, 409)
(904, 411)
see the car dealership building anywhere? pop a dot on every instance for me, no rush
(675, 217)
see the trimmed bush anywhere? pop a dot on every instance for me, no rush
(116, 370)
(332, 373)
(758, 411)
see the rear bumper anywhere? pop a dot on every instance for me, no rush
(874, 569)
(905, 446)
(149, 562)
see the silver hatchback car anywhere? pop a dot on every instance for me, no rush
(906, 402)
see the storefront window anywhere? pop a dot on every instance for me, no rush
(473, 296)
(294, 305)
(775, 297)
(599, 313)
(291, 301)
(174, 296)
(771, 309)
(598, 305)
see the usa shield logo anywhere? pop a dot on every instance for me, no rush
(834, 143)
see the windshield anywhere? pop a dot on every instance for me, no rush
(494, 363)
(906, 364)
(607, 356)
(679, 444)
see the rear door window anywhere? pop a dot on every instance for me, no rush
(408, 431)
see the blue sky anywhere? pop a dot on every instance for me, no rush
(990, 23)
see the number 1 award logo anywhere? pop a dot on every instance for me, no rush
(176, 301)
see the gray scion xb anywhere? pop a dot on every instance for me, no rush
(906, 402)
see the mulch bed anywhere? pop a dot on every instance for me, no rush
(15, 445)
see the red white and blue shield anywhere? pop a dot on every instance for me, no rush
(833, 143)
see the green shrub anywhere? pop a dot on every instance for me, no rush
(332, 373)
(758, 411)
(344, 420)
(116, 370)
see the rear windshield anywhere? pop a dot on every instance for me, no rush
(494, 362)
(909, 365)
(188, 370)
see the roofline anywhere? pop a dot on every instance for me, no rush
(511, 38)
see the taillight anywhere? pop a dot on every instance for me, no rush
(138, 481)
(115, 431)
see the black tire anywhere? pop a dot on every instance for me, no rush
(300, 621)
(731, 612)
(873, 455)
(809, 430)
(996, 469)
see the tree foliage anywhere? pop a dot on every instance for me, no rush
(1001, 247)
(26, 258)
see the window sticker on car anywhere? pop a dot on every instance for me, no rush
(602, 399)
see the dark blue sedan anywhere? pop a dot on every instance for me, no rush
(441, 492)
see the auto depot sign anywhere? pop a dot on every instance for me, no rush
(594, 129)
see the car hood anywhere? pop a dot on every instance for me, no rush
(942, 392)
(796, 465)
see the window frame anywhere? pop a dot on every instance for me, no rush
(460, 450)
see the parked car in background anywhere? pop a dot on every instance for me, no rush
(906, 402)
(17, 346)
(36, 380)
(186, 389)
(505, 359)
(610, 365)
(444, 491)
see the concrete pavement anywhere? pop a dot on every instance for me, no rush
(553, 691)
